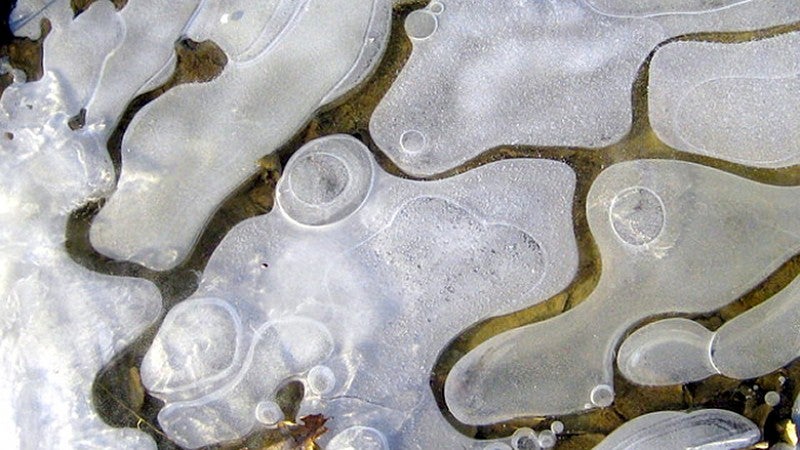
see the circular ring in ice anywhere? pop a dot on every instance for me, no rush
(183, 359)
(326, 181)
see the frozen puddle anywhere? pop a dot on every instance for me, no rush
(753, 344)
(707, 429)
(354, 283)
(509, 72)
(689, 238)
(190, 148)
(742, 104)
(59, 323)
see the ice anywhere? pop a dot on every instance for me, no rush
(510, 72)
(150, 29)
(354, 283)
(27, 14)
(59, 323)
(186, 151)
(709, 429)
(690, 239)
(738, 102)
(89, 38)
(666, 352)
(755, 343)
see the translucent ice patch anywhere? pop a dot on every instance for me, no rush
(671, 351)
(741, 104)
(753, 344)
(59, 323)
(27, 14)
(187, 150)
(674, 237)
(707, 429)
(88, 39)
(510, 72)
(354, 283)
(150, 29)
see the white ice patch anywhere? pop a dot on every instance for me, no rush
(755, 343)
(25, 19)
(187, 150)
(738, 102)
(144, 56)
(355, 282)
(59, 323)
(520, 72)
(707, 429)
(689, 238)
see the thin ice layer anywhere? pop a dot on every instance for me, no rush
(674, 237)
(741, 104)
(194, 145)
(368, 277)
(88, 39)
(145, 50)
(59, 323)
(670, 351)
(709, 429)
(509, 72)
(753, 344)
(761, 340)
(25, 19)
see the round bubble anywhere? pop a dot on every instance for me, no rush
(557, 427)
(772, 398)
(412, 141)
(421, 24)
(326, 180)
(602, 395)
(268, 413)
(321, 380)
(436, 7)
(547, 439)
(637, 216)
(525, 439)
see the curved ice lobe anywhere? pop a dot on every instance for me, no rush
(674, 237)
(753, 344)
(740, 104)
(186, 151)
(484, 74)
(354, 283)
(666, 352)
(145, 55)
(89, 38)
(761, 340)
(59, 323)
(712, 429)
